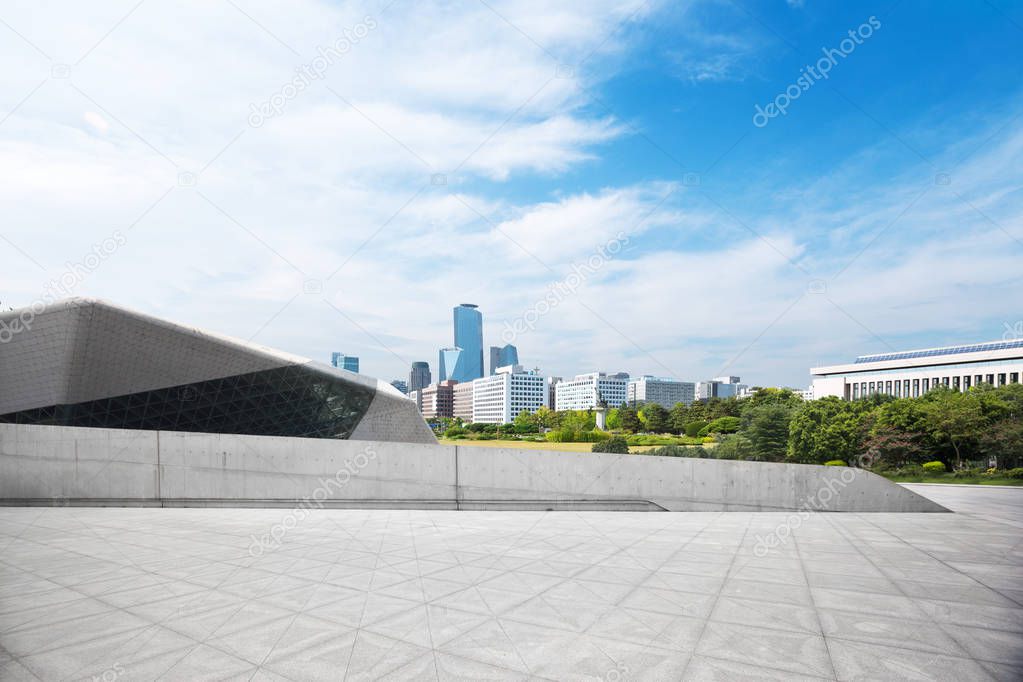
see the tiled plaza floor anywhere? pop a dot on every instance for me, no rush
(177, 594)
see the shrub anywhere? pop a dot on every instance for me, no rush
(724, 425)
(561, 436)
(835, 463)
(1015, 473)
(671, 451)
(966, 473)
(708, 439)
(615, 444)
(910, 470)
(593, 436)
(454, 432)
(934, 467)
(692, 429)
(733, 447)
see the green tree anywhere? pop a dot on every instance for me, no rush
(678, 418)
(614, 418)
(697, 412)
(826, 429)
(525, 418)
(579, 420)
(766, 427)
(630, 419)
(544, 417)
(654, 418)
(1003, 441)
(772, 396)
(895, 447)
(722, 407)
(953, 417)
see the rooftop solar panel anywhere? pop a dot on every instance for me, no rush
(950, 350)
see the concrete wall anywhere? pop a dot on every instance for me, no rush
(48, 464)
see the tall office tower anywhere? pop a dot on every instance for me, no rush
(448, 363)
(419, 376)
(469, 337)
(342, 361)
(503, 357)
(401, 385)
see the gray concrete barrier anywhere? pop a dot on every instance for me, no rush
(70, 465)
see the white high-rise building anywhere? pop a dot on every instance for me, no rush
(500, 397)
(586, 390)
(663, 391)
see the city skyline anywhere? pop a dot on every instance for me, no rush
(598, 178)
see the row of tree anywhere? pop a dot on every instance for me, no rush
(955, 427)
(958, 428)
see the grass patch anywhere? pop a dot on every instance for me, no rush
(530, 445)
(980, 479)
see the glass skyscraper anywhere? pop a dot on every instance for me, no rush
(419, 376)
(342, 361)
(448, 361)
(503, 356)
(469, 338)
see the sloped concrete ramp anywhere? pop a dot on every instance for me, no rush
(87, 466)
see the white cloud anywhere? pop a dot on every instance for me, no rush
(325, 184)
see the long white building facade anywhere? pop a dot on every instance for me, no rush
(909, 374)
(586, 390)
(500, 397)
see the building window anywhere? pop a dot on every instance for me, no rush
(888, 387)
(1014, 378)
(927, 385)
(1001, 380)
(916, 388)
(966, 382)
(991, 379)
(856, 391)
(955, 383)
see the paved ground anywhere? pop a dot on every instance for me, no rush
(186, 594)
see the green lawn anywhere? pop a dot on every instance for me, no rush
(530, 445)
(950, 478)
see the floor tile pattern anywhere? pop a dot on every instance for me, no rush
(186, 594)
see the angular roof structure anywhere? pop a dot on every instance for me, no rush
(85, 362)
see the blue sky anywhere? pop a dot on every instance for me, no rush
(491, 152)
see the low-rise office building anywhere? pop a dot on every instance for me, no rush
(586, 391)
(907, 374)
(663, 391)
(499, 398)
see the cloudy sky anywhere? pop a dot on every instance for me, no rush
(321, 176)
